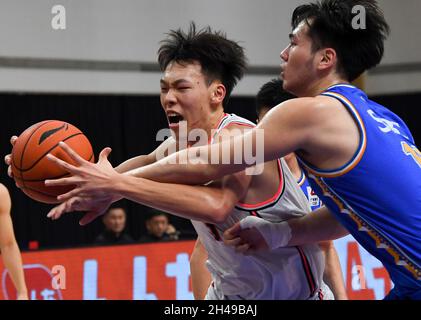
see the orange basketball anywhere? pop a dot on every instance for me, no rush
(31, 167)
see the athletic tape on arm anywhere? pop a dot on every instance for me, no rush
(276, 234)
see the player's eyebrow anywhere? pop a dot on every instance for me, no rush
(175, 83)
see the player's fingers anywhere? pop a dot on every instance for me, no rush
(73, 204)
(10, 172)
(232, 232)
(103, 156)
(81, 204)
(50, 213)
(65, 207)
(62, 182)
(242, 248)
(72, 193)
(88, 218)
(56, 212)
(13, 140)
(72, 154)
(8, 159)
(63, 164)
(232, 242)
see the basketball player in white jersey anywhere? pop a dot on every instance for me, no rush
(200, 71)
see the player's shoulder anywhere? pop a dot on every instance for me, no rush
(3, 191)
(235, 125)
(310, 105)
(232, 120)
(311, 112)
(4, 199)
(239, 125)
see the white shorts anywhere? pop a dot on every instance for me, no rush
(324, 293)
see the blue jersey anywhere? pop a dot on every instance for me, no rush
(313, 200)
(377, 194)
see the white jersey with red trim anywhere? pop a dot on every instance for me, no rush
(284, 273)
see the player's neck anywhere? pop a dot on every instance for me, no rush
(321, 85)
(208, 124)
(213, 120)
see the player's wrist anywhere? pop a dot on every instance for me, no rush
(275, 234)
(124, 185)
(117, 187)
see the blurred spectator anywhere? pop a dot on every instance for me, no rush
(159, 228)
(115, 222)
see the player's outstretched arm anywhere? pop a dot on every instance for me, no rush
(128, 165)
(97, 205)
(95, 181)
(144, 160)
(284, 129)
(205, 203)
(252, 233)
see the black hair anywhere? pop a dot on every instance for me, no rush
(116, 205)
(271, 94)
(220, 58)
(331, 25)
(152, 213)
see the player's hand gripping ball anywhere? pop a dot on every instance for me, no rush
(30, 165)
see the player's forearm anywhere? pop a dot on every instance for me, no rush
(190, 202)
(333, 276)
(173, 169)
(314, 227)
(317, 226)
(133, 163)
(190, 166)
(13, 262)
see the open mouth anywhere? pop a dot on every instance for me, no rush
(174, 118)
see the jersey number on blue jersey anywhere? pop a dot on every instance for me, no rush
(412, 151)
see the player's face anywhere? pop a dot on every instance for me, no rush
(298, 67)
(185, 96)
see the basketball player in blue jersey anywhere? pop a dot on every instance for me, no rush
(270, 95)
(360, 158)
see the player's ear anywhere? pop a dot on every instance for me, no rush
(218, 93)
(327, 58)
